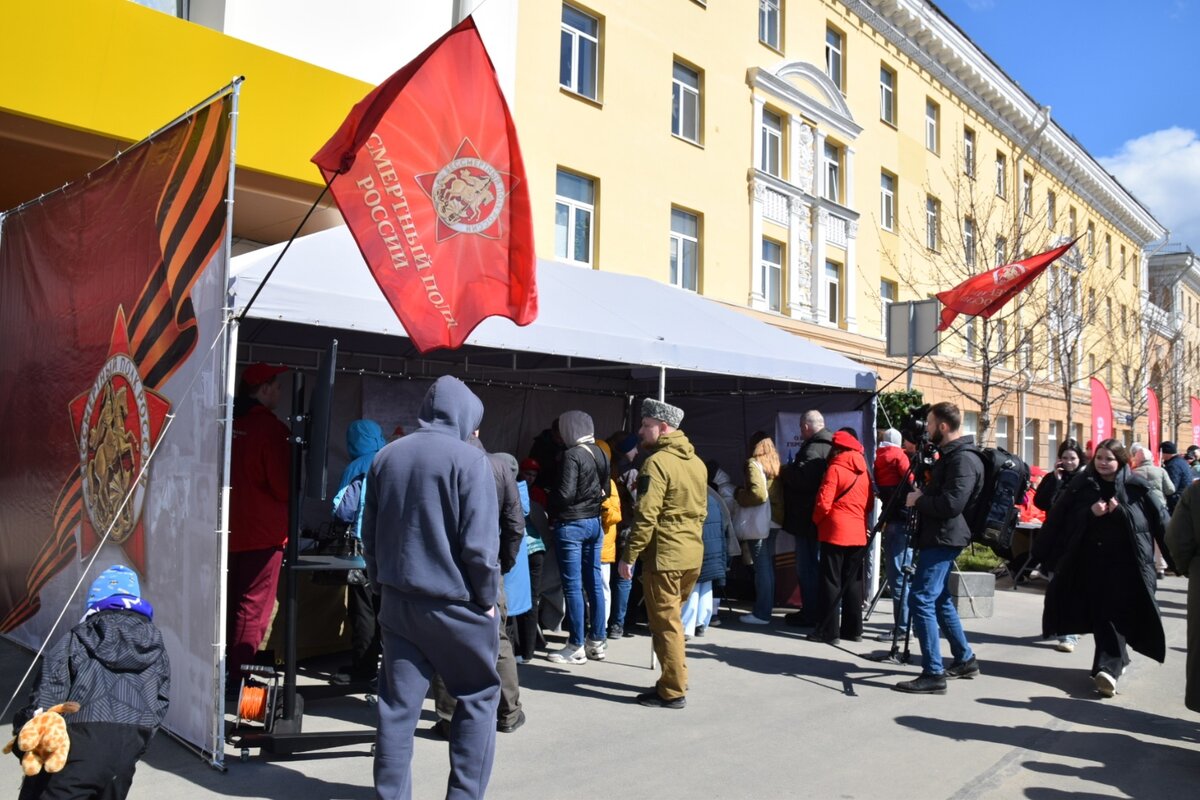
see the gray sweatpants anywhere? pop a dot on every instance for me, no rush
(459, 642)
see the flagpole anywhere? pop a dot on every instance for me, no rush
(283, 252)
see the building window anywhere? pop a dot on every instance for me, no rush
(578, 57)
(1001, 251)
(1027, 194)
(1002, 440)
(887, 296)
(685, 103)
(1091, 239)
(887, 95)
(971, 351)
(970, 423)
(772, 144)
(1108, 251)
(1001, 175)
(833, 172)
(1053, 440)
(932, 119)
(969, 241)
(685, 249)
(771, 274)
(969, 152)
(1072, 222)
(1122, 262)
(833, 292)
(574, 208)
(1124, 320)
(834, 57)
(887, 201)
(768, 22)
(1051, 212)
(933, 214)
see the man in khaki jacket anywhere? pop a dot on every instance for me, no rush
(667, 536)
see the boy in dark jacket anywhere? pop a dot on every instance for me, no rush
(113, 664)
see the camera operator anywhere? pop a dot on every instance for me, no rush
(954, 485)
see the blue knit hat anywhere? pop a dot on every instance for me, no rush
(115, 580)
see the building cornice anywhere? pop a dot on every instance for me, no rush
(923, 33)
(830, 110)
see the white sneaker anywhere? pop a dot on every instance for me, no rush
(1065, 646)
(595, 649)
(569, 654)
(750, 619)
(1106, 684)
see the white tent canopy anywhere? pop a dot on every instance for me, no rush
(586, 314)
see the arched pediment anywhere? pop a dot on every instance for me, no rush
(814, 76)
(806, 87)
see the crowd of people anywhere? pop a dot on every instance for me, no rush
(473, 558)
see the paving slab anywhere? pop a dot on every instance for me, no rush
(771, 715)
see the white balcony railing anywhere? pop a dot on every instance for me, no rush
(836, 229)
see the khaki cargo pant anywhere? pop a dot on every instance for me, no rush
(665, 594)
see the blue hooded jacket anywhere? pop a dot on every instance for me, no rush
(429, 527)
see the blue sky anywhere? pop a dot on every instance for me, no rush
(1121, 77)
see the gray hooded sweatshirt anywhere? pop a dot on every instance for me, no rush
(429, 525)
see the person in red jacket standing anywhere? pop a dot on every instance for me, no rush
(840, 513)
(258, 512)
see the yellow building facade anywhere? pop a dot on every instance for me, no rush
(820, 160)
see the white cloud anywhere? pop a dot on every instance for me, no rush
(1162, 169)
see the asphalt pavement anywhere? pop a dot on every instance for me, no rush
(771, 715)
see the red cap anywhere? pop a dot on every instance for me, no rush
(530, 465)
(258, 374)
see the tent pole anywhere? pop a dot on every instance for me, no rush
(662, 384)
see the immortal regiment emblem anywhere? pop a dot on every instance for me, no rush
(116, 422)
(1009, 272)
(468, 194)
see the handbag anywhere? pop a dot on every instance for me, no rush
(751, 523)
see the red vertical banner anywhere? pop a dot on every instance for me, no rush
(1153, 424)
(1102, 413)
(1195, 421)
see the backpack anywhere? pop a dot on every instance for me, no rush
(994, 515)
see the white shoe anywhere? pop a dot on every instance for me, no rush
(569, 654)
(520, 659)
(750, 619)
(1064, 646)
(595, 649)
(1106, 684)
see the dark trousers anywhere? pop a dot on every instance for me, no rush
(101, 764)
(841, 571)
(253, 582)
(510, 687)
(526, 642)
(362, 612)
(459, 642)
(808, 575)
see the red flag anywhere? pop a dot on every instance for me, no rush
(430, 180)
(984, 294)
(1102, 414)
(1152, 420)
(1195, 421)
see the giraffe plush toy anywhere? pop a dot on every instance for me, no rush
(44, 740)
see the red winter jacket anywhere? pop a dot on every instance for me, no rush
(891, 466)
(258, 476)
(845, 494)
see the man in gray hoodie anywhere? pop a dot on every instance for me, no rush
(430, 543)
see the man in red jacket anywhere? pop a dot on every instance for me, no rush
(258, 512)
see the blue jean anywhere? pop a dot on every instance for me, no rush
(763, 551)
(808, 573)
(620, 599)
(578, 551)
(932, 608)
(896, 556)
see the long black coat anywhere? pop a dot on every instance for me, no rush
(1060, 547)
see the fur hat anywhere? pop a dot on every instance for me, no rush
(656, 409)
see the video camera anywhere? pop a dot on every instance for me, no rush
(914, 430)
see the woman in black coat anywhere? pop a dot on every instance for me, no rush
(1099, 541)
